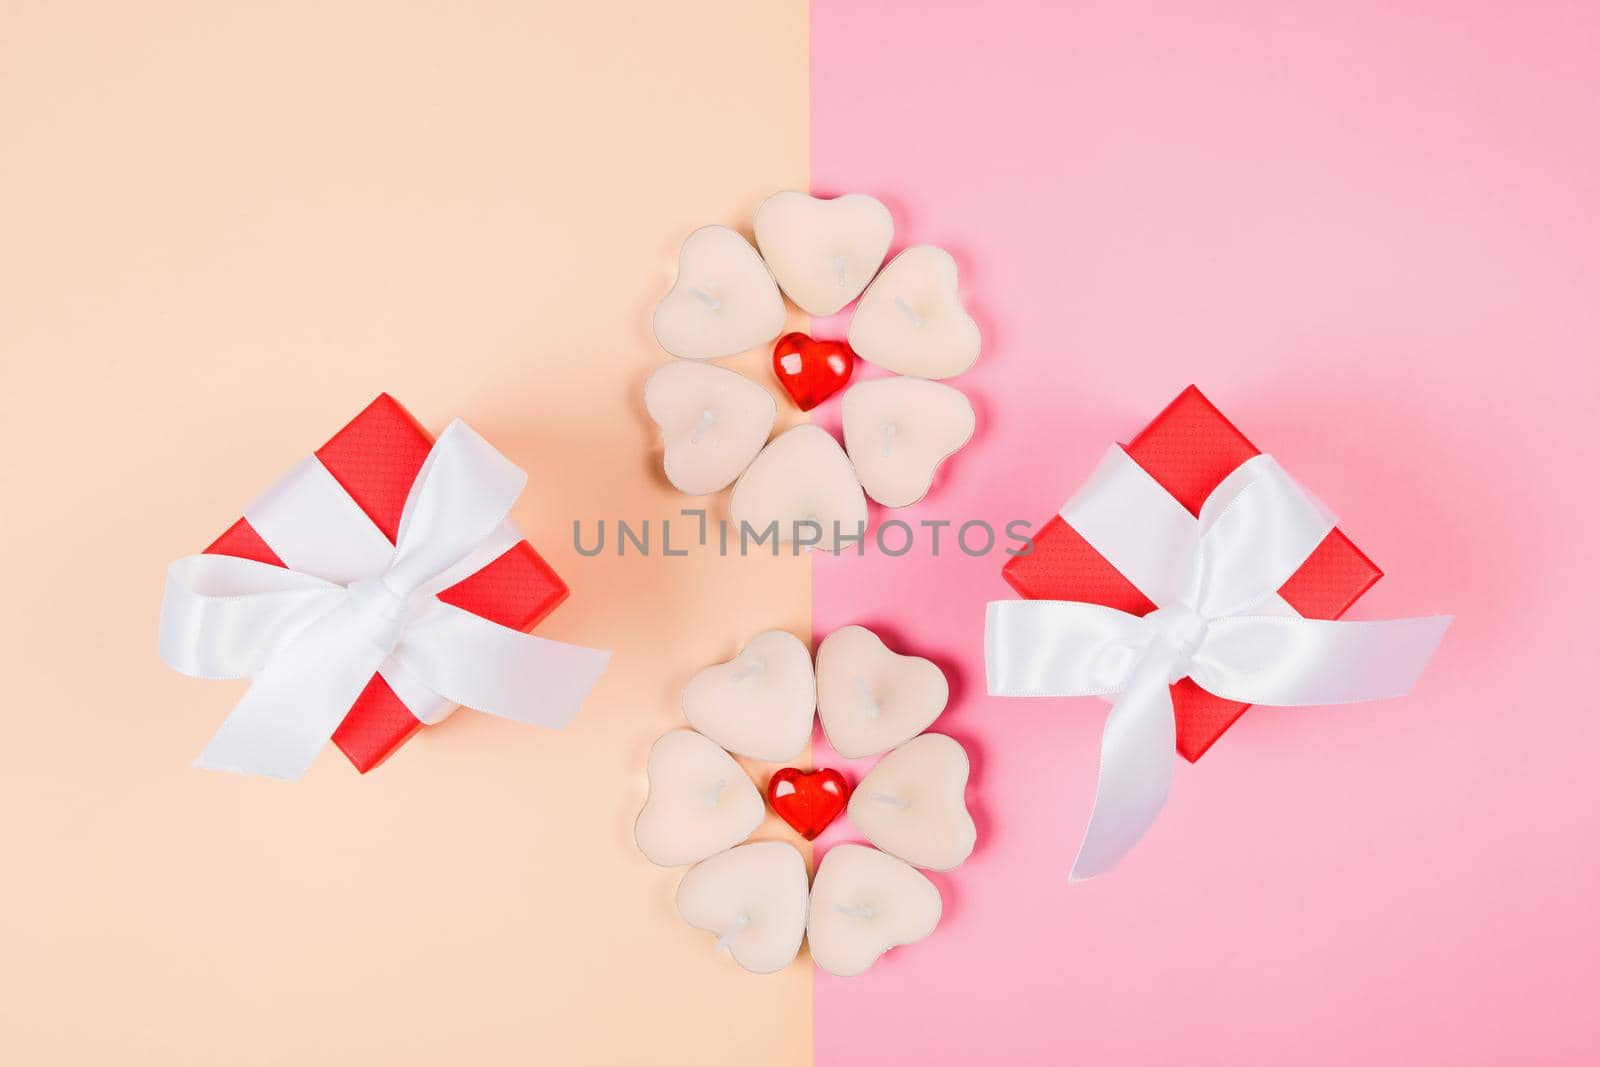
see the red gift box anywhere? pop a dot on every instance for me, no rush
(1188, 449)
(375, 459)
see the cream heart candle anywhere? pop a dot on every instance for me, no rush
(913, 803)
(803, 488)
(910, 319)
(897, 431)
(823, 252)
(700, 801)
(760, 703)
(863, 903)
(753, 898)
(713, 423)
(723, 302)
(870, 698)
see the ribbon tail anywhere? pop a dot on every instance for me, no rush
(295, 705)
(1136, 759)
(494, 669)
(1296, 662)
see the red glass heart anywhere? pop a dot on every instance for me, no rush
(811, 371)
(808, 801)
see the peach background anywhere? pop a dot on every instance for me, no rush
(227, 227)
(1369, 232)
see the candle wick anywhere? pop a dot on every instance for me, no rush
(855, 911)
(869, 702)
(911, 313)
(885, 798)
(839, 265)
(731, 932)
(889, 433)
(707, 417)
(715, 793)
(705, 298)
(749, 667)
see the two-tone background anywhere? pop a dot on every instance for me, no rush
(1369, 231)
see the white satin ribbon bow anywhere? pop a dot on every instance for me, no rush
(1218, 621)
(312, 641)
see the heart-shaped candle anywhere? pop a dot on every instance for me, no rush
(760, 703)
(724, 301)
(808, 800)
(910, 319)
(713, 423)
(823, 252)
(898, 431)
(753, 898)
(700, 801)
(800, 488)
(913, 803)
(863, 903)
(871, 698)
(811, 371)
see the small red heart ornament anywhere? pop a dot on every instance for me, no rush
(808, 801)
(811, 371)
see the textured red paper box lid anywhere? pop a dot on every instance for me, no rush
(376, 458)
(1188, 449)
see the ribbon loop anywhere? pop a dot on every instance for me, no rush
(1256, 529)
(1223, 625)
(464, 490)
(312, 645)
(1059, 648)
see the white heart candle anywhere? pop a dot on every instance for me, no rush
(760, 703)
(803, 486)
(823, 252)
(913, 803)
(864, 903)
(723, 302)
(910, 319)
(897, 431)
(870, 698)
(700, 801)
(713, 423)
(753, 898)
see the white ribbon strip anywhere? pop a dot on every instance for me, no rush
(1218, 620)
(313, 526)
(312, 642)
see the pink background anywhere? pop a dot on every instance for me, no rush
(1370, 234)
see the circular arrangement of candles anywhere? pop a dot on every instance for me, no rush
(702, 806)
(728, 298)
